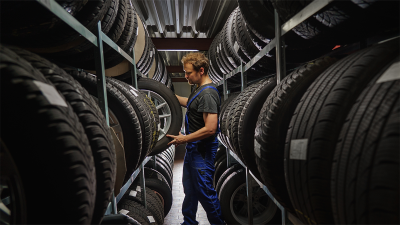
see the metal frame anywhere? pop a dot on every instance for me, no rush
(97, 40)
(279, 45)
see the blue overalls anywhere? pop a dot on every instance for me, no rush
(197, 177)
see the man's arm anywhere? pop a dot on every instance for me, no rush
(182, 100)
(211, 124)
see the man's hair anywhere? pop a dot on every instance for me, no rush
(198, 60)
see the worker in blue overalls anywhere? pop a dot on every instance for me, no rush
(201, 127)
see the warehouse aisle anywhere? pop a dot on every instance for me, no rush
(175, 216)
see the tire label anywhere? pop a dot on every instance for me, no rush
(51, 94)
(151, 219)
(220, 46)
(123, 211)
(236, 46)
(138, 188)
(298, 149)
(159, 177)
(133, 92)
(217, 49)
(257, 148)
(392, 73)
(133, 193)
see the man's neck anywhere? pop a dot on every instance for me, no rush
(205, 80)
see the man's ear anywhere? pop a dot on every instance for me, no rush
(201, 70)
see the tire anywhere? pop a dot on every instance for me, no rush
(47, 125)
(126, 42)
(233, 190)
(162, 169)
(231, 126)
(154, 204)
(336, 22)
(107, 11)
(93, 122)
(128, 125)
(27, 27)
(12, 188)
(221, 55)
(167, 164)
(249, 49)
(136, 99)
(221, 152)
(365, 173)
(331, 95)
(224, 123)
(165, 94)
(222, 165)
(213, 60)
(225, 174)
(86, 59)
(157, 182)
(246, 122)
(119, 219)
(136, 211)
(273, 123)
(229, 42)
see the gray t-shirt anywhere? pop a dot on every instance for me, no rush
(207, 101)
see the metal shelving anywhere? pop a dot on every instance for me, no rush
(280, 31)
(97, 40)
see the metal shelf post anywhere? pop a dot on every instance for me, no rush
(143, 185)
(280, 50)
(101, 77)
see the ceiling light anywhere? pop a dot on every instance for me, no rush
(178, 50)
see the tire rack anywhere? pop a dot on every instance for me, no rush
(97, 40)
(280, 31)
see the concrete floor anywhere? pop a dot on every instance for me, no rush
(175, 216)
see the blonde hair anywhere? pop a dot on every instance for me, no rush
(198, 60)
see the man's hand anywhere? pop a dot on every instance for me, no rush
(178, 140)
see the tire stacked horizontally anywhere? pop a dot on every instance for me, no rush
(158, 182)
(33, 27)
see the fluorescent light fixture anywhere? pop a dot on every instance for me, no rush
(178, 50)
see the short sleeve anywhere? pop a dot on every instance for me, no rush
(208, 103)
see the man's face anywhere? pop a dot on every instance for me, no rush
(191, 75)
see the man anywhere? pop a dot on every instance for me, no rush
(201, 125)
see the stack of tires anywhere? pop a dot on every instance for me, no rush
(54, 142)
(158, 182)
(58, 131)
(250, 28)
(326, 141)
(33, 27)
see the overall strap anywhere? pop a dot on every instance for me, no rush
(191, 100)
(188, 104)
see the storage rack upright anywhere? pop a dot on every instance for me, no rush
(279, 45)
(97, 40)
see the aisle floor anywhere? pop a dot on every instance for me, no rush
(175, 216)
